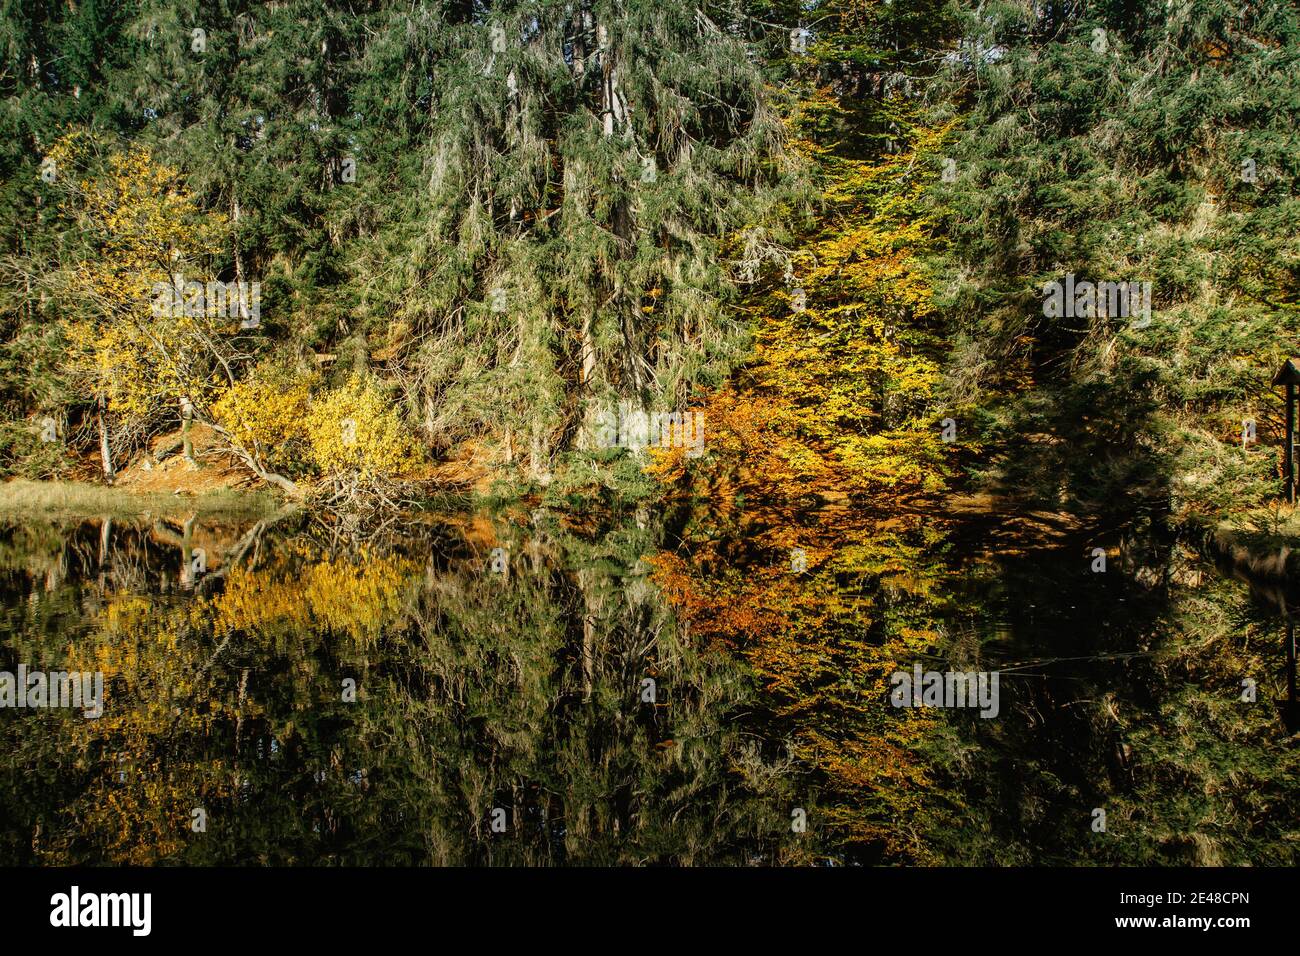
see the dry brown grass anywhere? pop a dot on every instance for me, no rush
(77, 499)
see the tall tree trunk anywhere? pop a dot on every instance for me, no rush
(586, 585)
(239, 259)
(187, 419)
(539, 457)
(105, 449)
(187, 556)
(608, 91)
(105, 533)
(588, 351)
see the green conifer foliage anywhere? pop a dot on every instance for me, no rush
(566, 179)
(1127, 142)
(515, 212)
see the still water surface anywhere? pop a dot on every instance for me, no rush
(298, 697)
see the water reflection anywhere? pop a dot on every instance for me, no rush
(499, 717)
(1149, 692)
(1139, 716)
(467, 689)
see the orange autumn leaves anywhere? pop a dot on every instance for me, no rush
(826, 449)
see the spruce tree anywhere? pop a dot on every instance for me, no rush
(1125, 142)
(568, 172)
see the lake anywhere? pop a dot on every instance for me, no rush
(516, 688)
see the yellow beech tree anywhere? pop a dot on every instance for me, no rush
(812, 536)
(357, 439)
(264, 417)
(145, 335)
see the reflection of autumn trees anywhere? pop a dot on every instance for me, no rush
(823, 645)
(301, 592)
(186, 713)
(828, 443)
(145, 754)
(475, 691)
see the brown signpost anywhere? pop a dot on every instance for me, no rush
(1289, 375)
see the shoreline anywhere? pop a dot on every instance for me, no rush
(21, 498)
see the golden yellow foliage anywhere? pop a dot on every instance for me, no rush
(302, 594)
(353, 430)
(143, 226)
(266, 414)
(827, 443)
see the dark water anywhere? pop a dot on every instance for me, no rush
(543, 705)
(1152, 691)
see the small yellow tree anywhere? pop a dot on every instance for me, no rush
(357, 438)
(140, 228)
(264, 417)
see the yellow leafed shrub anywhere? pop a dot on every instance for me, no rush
(354, 429)
(267, 415)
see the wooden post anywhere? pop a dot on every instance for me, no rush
(1289, 451)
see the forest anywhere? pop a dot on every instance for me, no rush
(472, 229)
(501, 356)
